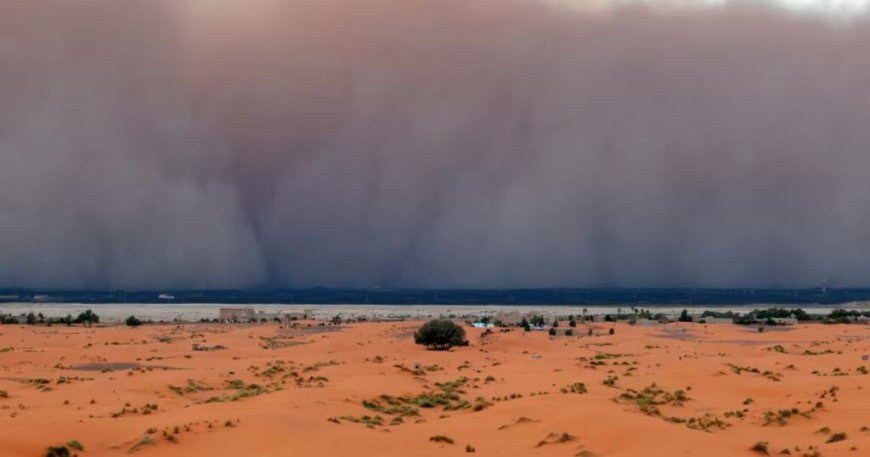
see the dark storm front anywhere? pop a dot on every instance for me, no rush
(597, 296)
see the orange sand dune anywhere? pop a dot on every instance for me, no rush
(144, 390)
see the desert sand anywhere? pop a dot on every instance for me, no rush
(262, 390)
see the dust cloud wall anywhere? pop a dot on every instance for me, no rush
(448, 143)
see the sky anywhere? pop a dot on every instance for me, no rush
(167, 144)
(829, 8)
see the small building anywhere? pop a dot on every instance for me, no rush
(262, 316)
(482, 325)
(508, 318)
(786, 320)
(236, 314)
(297, 315)
(646, 322)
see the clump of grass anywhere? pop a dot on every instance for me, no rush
(236, 384)
(57, 451)
(605, 356)
(447, 397)
(706, 422)
(480, 404)
(276, 343)
(825, 430)
(648, 399)
(836, 437)
(577, 388)
(441, 439)
(390, 405)
(469, 448)
(556, 438)
(740, 369)
(369, 421)
(75, 444)
(4, 394)
(783, 416)
(251, 390)
(736, 413)
(761, 448)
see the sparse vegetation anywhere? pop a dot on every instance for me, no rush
(836, 437)
(556, 438)
(57, 451)
(761, 447)
(441, 439)
(577, 388)
(650, 398)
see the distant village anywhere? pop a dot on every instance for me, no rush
(530, 320)
(544, 320)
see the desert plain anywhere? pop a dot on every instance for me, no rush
(366, 389)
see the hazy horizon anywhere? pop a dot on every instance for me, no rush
(202, 144)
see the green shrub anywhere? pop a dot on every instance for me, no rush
(440, 334)
(88, 317)
(577, 388)
(133, 322)
(441, 439)
(57, 451)
(836, 437)
(761, 448)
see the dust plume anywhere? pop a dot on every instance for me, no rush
(448, 143)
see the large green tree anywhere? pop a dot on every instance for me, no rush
(440, 334)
